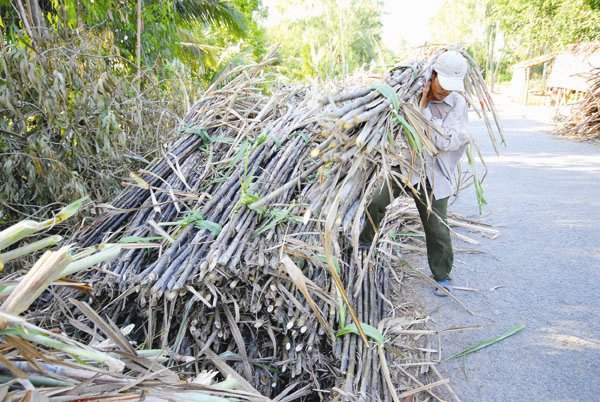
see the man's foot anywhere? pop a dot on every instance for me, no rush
(441, 285)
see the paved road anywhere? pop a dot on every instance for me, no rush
(544, 194)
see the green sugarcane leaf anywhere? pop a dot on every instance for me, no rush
(469, 152)
(370, 331)
(487, 342)
(275, 217)
(303, 135)
(389, 93)
(247, 199)
(276, 140)
(323, 259)
(260, 139)
(481, 201)
(188, 218)
(212, 227)
(225, 140)
(411, 134)
(137, 239)
(244, 146)
(268, 368)
(200, 132)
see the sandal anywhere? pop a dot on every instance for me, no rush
(438, 291)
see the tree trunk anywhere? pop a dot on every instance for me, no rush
(32, 18)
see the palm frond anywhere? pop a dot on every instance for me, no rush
(213, 12)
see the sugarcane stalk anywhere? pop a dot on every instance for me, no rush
(359, 93)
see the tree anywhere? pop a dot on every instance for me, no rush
(329, 38)
(535, 27)
(193, 32)
(72, 103)
(528, 28)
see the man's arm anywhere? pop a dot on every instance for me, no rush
(426, 88)
(453, 127)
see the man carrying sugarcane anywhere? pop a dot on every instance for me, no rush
(447, 110)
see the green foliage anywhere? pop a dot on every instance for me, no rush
(370, 331)
(201, 35)
(515, 30)
(487, 342)
(72, 121)
(196, 218)
(540, 26)
(389, 93)
(274, 217)
(138, 239)
(76, 115)
(191, 31)
(329, 39)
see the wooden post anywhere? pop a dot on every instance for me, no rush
(527, 73)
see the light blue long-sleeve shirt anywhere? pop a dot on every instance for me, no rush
(451, 118)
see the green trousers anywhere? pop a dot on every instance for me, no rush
(437, 234)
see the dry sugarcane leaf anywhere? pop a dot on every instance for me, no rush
(302, 392)
(226, 370)
(299, 280)
(386, 374)
(34, 396)
(27, 351)
(116, 336)
(426, 387)
(12, 368)
(114, 333)
(239, 340)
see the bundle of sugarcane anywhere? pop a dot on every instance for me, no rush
(248, 220)
(39, 363)
(584, 120)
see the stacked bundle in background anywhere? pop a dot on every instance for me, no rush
(584, 120)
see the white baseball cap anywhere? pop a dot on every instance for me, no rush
(451, 68)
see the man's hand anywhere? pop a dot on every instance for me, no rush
(426, 88)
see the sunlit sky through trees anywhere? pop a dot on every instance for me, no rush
(408, 20)
(405, 22)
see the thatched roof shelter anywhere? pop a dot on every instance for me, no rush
(519, 84)
(569, 72)
(571, 69)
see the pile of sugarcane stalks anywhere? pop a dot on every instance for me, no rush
(246, 234)
(584, 120)
(41, 364)
(46, 364)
